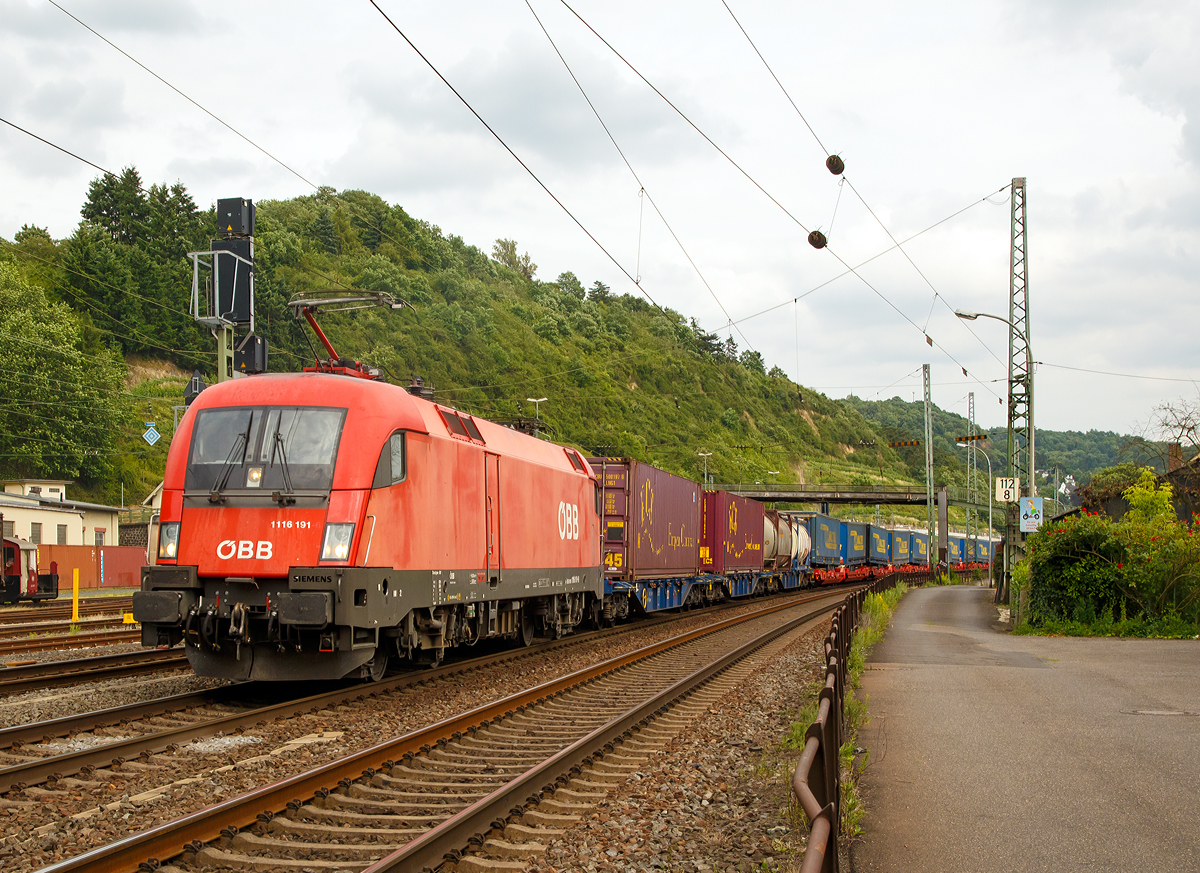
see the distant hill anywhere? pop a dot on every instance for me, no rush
(1074, 453)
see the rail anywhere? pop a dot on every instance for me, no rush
(816, 781)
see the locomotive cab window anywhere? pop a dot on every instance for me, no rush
(264, 448)
(393, 461)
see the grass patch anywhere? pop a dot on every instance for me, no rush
(876, 616)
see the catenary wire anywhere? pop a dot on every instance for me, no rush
(847, 180)
(636, 177)
(769, 196)
(514, 155)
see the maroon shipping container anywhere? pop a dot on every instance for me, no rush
(732, 538)
(651, 520)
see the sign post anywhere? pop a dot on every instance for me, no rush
(1030, 514)
(75, 594)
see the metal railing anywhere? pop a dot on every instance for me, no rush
(816, 781)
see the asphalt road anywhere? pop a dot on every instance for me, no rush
(991, 752)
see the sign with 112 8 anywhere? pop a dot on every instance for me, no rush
(1007, 489)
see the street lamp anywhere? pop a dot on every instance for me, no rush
(705, 456)
(773, 473)
(537, 406)
(1010, 519)
(991, 545)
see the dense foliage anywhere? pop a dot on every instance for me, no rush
(1074, 453)
(55, 411)
(1140, 574)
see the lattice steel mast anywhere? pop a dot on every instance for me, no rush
(1020, 377)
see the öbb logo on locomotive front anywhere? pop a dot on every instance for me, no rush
(244, 550)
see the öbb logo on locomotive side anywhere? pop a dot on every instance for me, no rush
(568, 521)
(244, 550)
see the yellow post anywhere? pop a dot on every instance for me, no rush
(75, 595)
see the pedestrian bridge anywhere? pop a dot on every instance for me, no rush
(893, 495)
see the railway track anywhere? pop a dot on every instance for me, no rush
(69, 641)
(16, 632)
(515, 770)
(53, 674)
(149, 727)
(57, 610)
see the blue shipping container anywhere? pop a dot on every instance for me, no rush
(880, 546)
(901, 545)
(955, 550)
(983, 551)
(919, 550)
(854, 543)
(826, 536)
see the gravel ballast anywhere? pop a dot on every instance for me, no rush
(45, 824)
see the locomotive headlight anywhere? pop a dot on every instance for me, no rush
(168, 539)
(254, 477)
(336, 546)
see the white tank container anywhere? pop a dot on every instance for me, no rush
(770, 541)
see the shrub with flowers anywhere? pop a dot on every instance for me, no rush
(1145, 567)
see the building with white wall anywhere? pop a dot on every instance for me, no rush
(38, 510)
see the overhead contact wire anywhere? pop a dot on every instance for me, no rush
(637, 178)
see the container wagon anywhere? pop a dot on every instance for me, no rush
(879, 552)
(919, 549)
(732, 540)
(652, 522)
(954, 550)
(825, 557)
(901, 546)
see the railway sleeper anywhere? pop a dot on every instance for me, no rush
(253, 844)
(357, 819)
(284, 825)
(429, 778)
(210, 857)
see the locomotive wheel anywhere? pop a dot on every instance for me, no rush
(377, 666)
(528, 630)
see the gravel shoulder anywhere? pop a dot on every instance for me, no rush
(719, 797)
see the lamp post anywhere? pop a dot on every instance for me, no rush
(1017, 384)
(537, 406)
(705, 456)
(992, 556)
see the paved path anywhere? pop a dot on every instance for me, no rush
(991, 752)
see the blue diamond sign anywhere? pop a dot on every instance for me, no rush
(151, 435)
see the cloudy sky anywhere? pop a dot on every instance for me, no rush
(934, 106)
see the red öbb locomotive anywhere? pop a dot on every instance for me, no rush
(313, 525)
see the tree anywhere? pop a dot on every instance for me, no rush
(753, 361)
(505, 252)
(118, 205)
(568, 283)
(59, 409)
(729, 350)
(599, 292)
(777, 373)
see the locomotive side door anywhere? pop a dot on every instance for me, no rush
(491, 476)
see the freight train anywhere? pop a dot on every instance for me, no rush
(314, 525)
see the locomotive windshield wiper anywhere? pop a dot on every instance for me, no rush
(284, 497)
(215, 496)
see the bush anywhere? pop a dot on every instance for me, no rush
(1088, 571)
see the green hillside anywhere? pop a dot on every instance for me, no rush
(97, 323)
(1074, 453)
